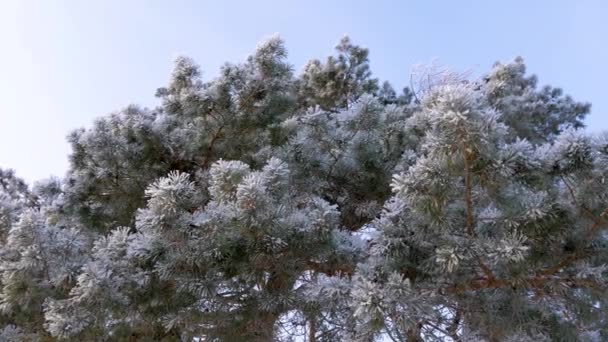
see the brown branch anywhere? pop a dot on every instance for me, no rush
(477, 284)
(486, 270)
(468, 203)
(312, 330)
(555, 268)
(468, 193)
(598, 222)
(536, 282)
(209, 153)
(578, 253)
(569, 189)
(331, 269)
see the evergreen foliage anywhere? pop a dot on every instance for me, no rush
(323, 206)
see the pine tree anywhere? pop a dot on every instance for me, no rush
(537, 115)
(486, 238)
(263, 205)
(14, 197)
(338, 82)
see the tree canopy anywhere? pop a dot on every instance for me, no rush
(266, 205)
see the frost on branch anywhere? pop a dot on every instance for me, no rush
(323, 205)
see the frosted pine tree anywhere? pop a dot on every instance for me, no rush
(338, 82)
(234, 116)
(39, 260)
(228, 270)
(14, 196)
(488, 238)
(534, 114)
(265, 205)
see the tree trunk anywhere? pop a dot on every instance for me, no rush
(413, 335)
(262, 329)
(312, 330)
(263, 324)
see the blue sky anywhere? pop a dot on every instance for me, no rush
(64, 63)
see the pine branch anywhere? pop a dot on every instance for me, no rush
(331, 269)
(598, 222)
(468, 202)
(209, 153)
(468, 193)
(536, 282)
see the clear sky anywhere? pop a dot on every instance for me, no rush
(64, 63)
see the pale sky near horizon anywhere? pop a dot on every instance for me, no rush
(64, 63)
